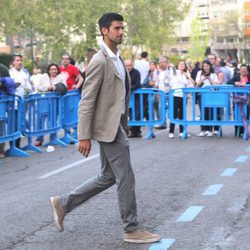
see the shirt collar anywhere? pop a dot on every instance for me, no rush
(110, 52)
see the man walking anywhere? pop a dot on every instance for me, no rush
(103, 112)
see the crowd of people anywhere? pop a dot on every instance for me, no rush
(166, 76)
(57, 78)
(161, 74)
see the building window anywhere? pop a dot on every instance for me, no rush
(184, 39)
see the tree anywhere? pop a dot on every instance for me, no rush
(198, 40)
(57, 26)
(227, 28)
(151, 23)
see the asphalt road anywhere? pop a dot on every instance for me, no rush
(195, 193)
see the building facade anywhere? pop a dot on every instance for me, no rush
(224, 23)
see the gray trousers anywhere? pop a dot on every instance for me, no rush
(115, 168)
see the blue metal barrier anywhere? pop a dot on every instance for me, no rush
(70, 115)
(218, 99)
(144, 114)
(10, 118)
(44, 115)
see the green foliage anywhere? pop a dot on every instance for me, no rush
(71, 26)
(175, 59)
(28, 65)
(198, 40)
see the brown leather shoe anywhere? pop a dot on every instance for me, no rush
(141, 236)
(58, 212)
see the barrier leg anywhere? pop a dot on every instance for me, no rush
(68, 138)
(245, 137)
(184, 133)
(13, 151)
(220, 132)
(238, 131)
(31, 146)
(74, 134)
(150, 133)
(56, 142)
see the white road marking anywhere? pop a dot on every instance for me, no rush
(59, 170)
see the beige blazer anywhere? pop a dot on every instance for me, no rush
(100, 108)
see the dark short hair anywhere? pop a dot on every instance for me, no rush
(243, 65)
(144, 54)
(72, 61)
(107, 18)
(15, 56)
(53, 64)
(212, 54)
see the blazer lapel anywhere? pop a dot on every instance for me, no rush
(116, 73)
(110, 62)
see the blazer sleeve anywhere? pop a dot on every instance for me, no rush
(90, 91)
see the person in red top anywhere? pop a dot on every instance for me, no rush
(74, 80)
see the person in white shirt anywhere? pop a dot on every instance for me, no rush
(179, 79)
(35, 79)
(21, 77)
(206, 77)
(162, 83)
(142, 65)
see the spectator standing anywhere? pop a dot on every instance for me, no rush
(35, 79)
(240, 80)
(179, 79)
(149, 82)
(135, 131)
(215, 62)
(152, 76)
(103, 117)
(74, 80)
(142, 65)
(206, 77)
(162, 83)
(7, 87)
(234, 68)
(212, 58)
(226, 72)
(50, 81)
(21, 77)
(195, 70)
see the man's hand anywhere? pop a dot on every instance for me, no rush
(84, 147)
